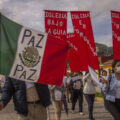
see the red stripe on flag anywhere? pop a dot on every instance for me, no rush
(54, 61)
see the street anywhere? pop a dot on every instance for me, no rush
(99, 113)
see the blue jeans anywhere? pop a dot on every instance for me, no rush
(90, 102)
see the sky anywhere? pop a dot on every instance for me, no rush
(30, 13)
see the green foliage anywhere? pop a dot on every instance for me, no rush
(71, 74)
(98, 94)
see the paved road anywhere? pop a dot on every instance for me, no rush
(99, 113)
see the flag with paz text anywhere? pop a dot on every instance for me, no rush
(30, 55)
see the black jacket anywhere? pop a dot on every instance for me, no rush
(17, 89)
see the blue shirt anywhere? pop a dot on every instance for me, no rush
(111, 88)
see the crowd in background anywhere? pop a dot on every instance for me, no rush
(78, 87)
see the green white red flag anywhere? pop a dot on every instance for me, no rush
(30, 55)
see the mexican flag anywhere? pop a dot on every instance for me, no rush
(30, 55)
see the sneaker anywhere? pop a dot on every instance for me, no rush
(81, 113)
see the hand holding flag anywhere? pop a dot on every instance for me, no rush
(94, 76)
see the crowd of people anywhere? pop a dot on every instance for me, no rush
(31, 100)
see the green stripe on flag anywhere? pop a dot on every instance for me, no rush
(9, 34)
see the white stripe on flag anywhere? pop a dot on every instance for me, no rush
(29, 55)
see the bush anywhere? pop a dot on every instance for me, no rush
(98, 95)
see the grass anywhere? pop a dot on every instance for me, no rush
(98, 94)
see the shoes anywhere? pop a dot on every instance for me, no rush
(81, 113)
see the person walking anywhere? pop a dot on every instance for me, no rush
(30, 99)
(76, 90)
(89, 92)
(57, 94)
(67, 80)
(111, 91)
(104, 75)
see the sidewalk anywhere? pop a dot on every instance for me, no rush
(99, 113)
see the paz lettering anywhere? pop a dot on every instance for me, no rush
(33, 40)
(23, 74)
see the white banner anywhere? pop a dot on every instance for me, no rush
(94, 76)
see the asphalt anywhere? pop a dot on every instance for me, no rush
(100, 113)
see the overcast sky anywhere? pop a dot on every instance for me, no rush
(30, 13)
